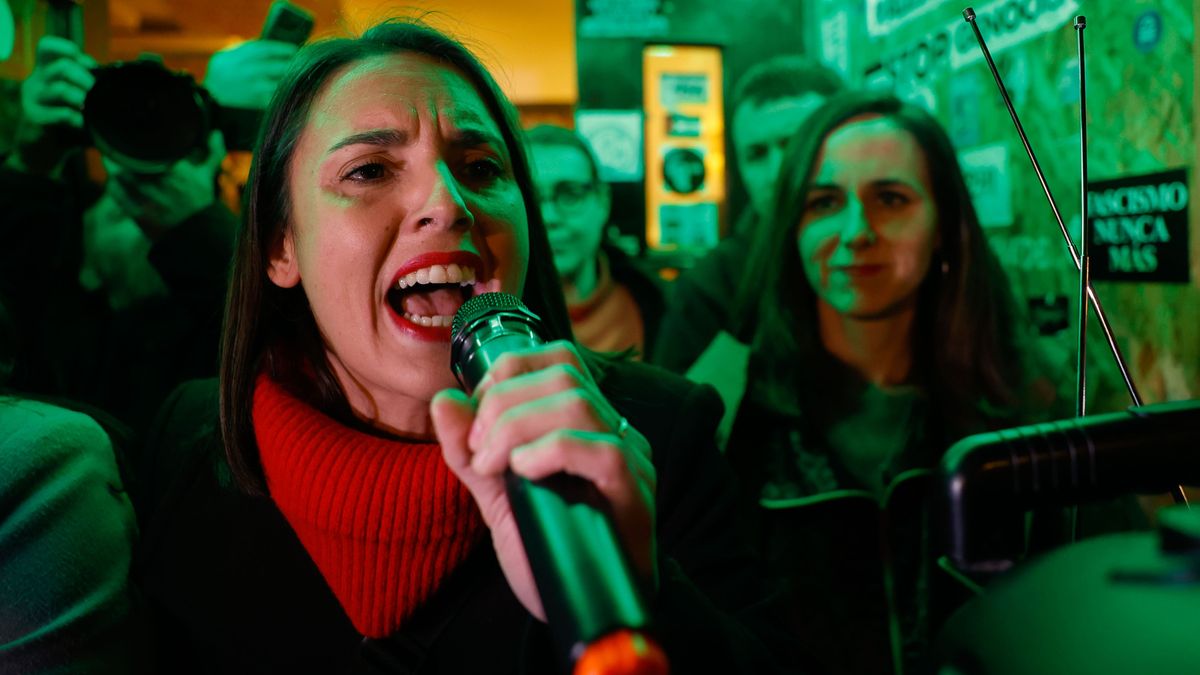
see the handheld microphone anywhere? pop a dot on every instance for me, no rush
(586, 583)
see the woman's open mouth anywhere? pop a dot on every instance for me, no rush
(430, 288)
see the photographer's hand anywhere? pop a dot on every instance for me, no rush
(51, 124)
(245, 76)
(159, 202)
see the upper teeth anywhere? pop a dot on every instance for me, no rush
(439, 274)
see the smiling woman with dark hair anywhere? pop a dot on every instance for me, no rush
(882, 329)
(346, 512)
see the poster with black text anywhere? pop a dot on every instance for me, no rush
(1139, 227)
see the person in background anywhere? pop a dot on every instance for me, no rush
(67, 532)
(614, 305)
(881, 329)
(771, 102)
(116, 289)
(334, 503)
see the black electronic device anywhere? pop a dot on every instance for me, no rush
(287, 23)
(145, 117)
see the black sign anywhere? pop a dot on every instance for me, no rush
(1139, 227)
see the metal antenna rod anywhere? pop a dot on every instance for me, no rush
(1085, 237)
(969, 15)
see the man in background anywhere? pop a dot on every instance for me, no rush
(614, 306)
(771, 102)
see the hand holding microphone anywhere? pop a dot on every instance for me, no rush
(549, 462)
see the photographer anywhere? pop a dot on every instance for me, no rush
(115, 290)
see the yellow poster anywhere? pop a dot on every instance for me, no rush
(685, 147)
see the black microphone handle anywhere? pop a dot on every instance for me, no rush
(579, 564)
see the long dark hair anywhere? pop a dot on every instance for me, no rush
(968, 338)
(273, 328)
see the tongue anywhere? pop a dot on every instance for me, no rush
(443, 301)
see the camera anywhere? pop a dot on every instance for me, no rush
(145, 117)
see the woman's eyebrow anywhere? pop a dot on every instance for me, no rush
(891, 182)
(379, 137)
(472, 137)
(826, 186)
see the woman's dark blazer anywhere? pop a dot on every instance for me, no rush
(231, 590)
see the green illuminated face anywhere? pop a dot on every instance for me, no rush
(574, 205)
(760, 134)
(869, 227)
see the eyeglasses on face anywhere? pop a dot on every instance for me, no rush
(568, 196)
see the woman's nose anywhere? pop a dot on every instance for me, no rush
(856, 226)
(550, 214)
(443, 205)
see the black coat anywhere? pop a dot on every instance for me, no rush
(231, 589)
(69, 343)
(700, 305)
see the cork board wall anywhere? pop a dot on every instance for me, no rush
(1139, 57)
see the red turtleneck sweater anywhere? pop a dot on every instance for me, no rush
(385, 521)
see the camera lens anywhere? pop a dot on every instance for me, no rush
(145, 117)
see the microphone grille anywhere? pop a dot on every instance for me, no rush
(480, 305)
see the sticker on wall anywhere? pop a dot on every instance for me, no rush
(952, 45)
(689, 226)
(877, 78)
(920, 95)
(1015, 67)
(885, 16)
(616, 139)
(683, 89)
(835, 41)
(920, 58)
(623, 19)
(966, 91)
(1068, 81)
(1139, 227)
(1006, 24)
(1050, 313)
(1028, 253)
(8, 31)
(985, 170)
(1147, 31)
(683, 126)
(683, 170)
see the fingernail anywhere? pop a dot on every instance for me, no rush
(518, 459)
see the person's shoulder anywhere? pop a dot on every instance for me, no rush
(38, 438)
(27, 421)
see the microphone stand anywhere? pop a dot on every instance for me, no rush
(1085, 236)
(1082, 263)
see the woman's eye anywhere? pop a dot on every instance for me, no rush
(484, 170)
(366, 173)
(821, 203)
(893, 198)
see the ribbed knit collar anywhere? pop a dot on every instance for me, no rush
(385, 521)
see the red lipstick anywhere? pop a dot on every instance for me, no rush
(422, 261)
